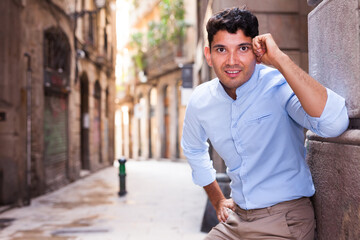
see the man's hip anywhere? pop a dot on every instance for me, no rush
(287, 220)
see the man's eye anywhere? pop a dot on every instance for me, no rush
(244, 48)
(220, 50)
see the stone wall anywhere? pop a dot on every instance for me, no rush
(335, 166)
(12, 105)
(334, 43)
(334, 60)
(23, 31)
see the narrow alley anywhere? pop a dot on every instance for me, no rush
(161, 203)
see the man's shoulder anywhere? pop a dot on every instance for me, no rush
(203, 94)
(207, 85)
(205, 89)
(268, 72)
(274, 83)
(271, 77)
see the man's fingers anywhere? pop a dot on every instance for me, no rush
(259, 47)
(223, 209)
(256, 44)
(221, 218)
(223, 215)
(226, 214)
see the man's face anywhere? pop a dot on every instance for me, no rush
(232, 59)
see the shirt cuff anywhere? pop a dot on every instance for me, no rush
(204, 177)
(333, 107)
(334, 119)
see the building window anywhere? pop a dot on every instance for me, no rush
(105, 41)
(56, 50)
(56, 60)
(91, 32)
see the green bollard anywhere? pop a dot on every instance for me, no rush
(122, 175)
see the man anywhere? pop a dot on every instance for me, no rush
(254, 116)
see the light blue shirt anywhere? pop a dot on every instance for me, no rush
(259, 135)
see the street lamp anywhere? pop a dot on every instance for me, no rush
(100, 3)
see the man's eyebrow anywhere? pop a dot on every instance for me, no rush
(218, 46)
(244, 44)
(240, 45)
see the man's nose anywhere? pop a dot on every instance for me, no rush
(233, 58)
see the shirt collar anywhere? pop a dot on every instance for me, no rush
(223, 93)
(248, 86)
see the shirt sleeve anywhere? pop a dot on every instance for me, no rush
(196, 149)
(333, 121)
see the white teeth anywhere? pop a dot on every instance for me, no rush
(232, 71)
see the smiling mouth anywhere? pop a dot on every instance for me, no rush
(233, 72)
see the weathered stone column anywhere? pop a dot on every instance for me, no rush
(334, 60)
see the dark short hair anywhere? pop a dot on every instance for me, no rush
(232, 20)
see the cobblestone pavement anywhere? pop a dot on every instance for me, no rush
(162, 203)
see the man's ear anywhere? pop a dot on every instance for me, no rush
(208, 55)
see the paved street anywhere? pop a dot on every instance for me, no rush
(162, 203)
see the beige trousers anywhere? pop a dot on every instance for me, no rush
(287, 220)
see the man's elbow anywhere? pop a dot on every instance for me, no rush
(337, 128)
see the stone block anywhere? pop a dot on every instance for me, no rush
(263, 22)
(335, 167)
(283, 6)
(334, 46)
(295, 56)
(304, 7)
(285, 30)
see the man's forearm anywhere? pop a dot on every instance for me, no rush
(218, 200)
(312, 95)
(214, 193)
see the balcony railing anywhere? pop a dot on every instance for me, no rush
(163, 58)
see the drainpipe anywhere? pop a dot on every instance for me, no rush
(75, 44)
(28, 129)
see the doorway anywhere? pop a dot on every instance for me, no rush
(84, 122)
(166, 142)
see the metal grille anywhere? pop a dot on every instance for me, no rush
(55, 128)
(56, 83)
(56, 51)
(55, 139)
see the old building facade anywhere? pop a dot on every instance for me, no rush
(150, 109)
(57, 90)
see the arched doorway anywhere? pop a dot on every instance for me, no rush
(166, 136)
(140, 116)
(56, 89)
(97, 123)
(153, 129)
(84, 122)
(106, 127)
